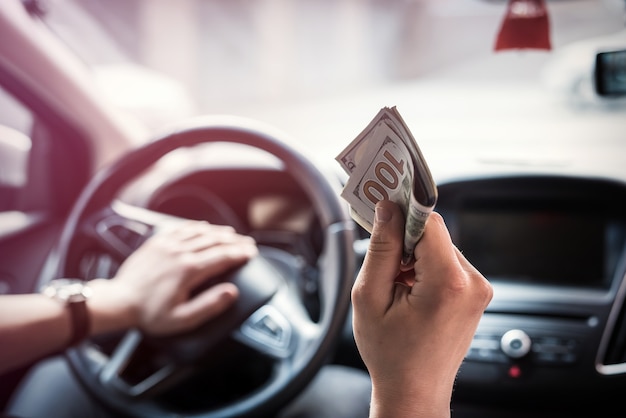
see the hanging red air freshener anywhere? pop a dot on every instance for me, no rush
(525, 26)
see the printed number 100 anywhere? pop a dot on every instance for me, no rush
(387, 174)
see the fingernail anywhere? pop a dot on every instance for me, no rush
(383, 214)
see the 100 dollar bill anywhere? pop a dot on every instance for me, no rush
(385, 163)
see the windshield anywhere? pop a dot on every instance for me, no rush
(320, 70)
(241, 53)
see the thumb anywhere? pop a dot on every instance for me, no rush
(382, 261)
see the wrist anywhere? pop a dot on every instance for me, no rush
(409, 401)
(111, 307)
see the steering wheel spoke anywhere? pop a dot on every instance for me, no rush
(111, 376)
(279, 329)
(121, 228)
(268, 332)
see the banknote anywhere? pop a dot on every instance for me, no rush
(385, 162)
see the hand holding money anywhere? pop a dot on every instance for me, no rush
(385, 163)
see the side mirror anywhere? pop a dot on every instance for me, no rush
(610, 73)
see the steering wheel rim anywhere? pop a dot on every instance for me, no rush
(336, 262)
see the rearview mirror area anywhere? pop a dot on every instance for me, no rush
(610, 73)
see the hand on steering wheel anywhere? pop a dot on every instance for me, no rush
(298, 345)
(154, 289)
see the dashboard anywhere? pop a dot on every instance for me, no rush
(554, 248)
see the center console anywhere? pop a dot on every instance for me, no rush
(554, 249)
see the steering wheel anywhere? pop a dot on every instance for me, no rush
(268, 318)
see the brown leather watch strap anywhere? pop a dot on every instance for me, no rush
(80, 321)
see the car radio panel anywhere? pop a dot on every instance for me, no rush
(554, 249)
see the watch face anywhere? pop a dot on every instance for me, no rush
(68, 290)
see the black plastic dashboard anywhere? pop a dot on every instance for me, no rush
(554, 249)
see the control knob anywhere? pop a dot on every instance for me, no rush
(515, 343)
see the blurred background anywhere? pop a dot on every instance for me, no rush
(215, 56)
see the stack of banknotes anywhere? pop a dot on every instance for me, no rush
(384, 162)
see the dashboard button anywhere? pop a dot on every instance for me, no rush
(515, 343)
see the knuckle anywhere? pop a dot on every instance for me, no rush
(358, 294)
(459, 282)
(380, 247)
(486, 291)
(436, 217)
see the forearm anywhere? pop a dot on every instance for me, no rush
(31, 326)
(34, 325)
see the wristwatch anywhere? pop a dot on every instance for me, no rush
(73, 294)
